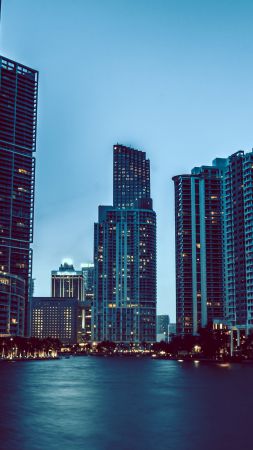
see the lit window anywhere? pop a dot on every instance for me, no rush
(23, 171)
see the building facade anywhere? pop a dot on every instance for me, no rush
(199, 247)
(131, 176)
(88, 277)
(172, 331)
(238, 239)
(69, 283)
(18, 118)
(162, 327)
(55, 318)
(124, 307)
(214, 244)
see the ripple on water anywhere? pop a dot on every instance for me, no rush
(126, 404)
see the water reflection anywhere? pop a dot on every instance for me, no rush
(126, 404)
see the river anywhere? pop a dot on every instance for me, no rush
(101, 403)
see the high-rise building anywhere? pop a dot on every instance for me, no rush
(214, 244)
(69, 283)
(238, 240)
(54, 317)
(18, 117)
(162, 327)
(124, 307)
(131, 176)
(199, 247)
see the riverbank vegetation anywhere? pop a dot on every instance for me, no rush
(20, 347)
(208, 344)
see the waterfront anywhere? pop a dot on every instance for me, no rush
(129, 404)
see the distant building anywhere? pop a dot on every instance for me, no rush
(125, 255)
(172, 330)
(69, 283)
(55, 318)
(18, 119)
(162, 327)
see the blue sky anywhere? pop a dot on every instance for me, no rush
(172, 78)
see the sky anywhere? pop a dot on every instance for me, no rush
(172, 78)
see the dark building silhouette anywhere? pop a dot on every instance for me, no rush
(125, 255)
(18, 116)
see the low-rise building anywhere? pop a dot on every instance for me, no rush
(54, 317)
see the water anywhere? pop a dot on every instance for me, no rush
(125, 404)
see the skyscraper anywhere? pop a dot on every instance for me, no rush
(199, 247)
(238, 240)
(214, 244)
(131, 177)
(125, 255)
(18, 117)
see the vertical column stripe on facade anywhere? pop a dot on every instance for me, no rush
(194, 260)
(202, 213)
